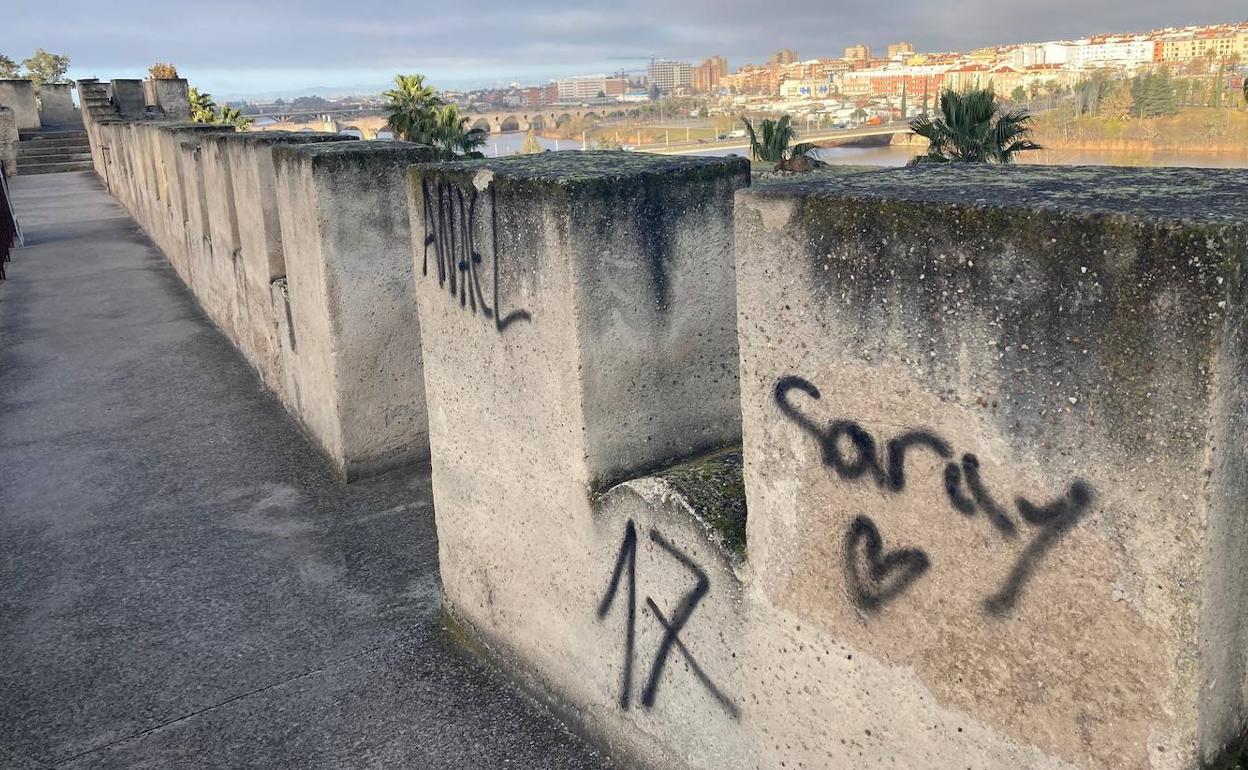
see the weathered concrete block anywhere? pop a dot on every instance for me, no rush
(56, 106)
(170, 95)
(993, 436)
(225, 288)
(19, 96)
(260, 243)
(8, 140)
(637, 252)
(354, 361)
(577, 324)
(129, 98)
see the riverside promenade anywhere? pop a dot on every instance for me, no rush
(182, 581)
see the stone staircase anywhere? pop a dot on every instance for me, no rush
(96, 101)
(49, 152)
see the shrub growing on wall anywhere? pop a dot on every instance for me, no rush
(162, 71)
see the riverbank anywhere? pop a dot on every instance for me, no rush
(1198, 130)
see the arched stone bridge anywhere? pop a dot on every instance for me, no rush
(502, 122)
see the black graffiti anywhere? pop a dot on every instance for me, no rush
(1054, 520)
(450, 227)
(886, 575)
(627, 560)
(626, 563)
(852, 453)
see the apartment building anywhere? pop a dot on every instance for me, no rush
(708, 75)
(669, 75)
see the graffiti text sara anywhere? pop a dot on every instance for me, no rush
(875, 574)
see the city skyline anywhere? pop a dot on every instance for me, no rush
(280, 52)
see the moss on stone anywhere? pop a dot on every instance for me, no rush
(1172, 194)
(714, 487)
(591, 168)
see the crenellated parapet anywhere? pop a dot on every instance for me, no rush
(933, 467)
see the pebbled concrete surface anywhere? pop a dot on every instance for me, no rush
(182, 582)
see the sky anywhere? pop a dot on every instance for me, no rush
(237, 49)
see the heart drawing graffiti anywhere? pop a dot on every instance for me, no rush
(875, 577)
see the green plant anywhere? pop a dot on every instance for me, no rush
(973, 128)
(450, 136)
(162, 71)
(43, 67)
(418, 115)
(774, 140)
(530, 146)
(232, 116)
(8, 67)
(1154, 94)
(412, 106)
(203, 108)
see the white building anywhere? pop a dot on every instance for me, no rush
(1129, 53)
(670, 75)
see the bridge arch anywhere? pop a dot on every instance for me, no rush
(509, 124)
(482, 123)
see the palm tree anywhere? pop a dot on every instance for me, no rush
(450, 136)
(203, 108)
(776, 141)
(412, 106)
(973, 128)
(232, 116)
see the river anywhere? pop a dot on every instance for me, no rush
(898, 155)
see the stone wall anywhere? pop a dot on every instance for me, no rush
(352, 354)
(19, 96)
(8, 141)
(129, 97)
(56, 106)
(998, 409)
(927, 467)
(992, 486)
(341, 348)
(169, 96)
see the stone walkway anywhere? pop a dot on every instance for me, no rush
(182, 582)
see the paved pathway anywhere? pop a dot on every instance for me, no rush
(182, 582)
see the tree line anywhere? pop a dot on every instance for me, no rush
(41, 67)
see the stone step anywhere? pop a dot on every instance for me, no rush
(45, 144)
(25, 151)
(65, 157)
(52, 135)
(53, 168)
(74, 153)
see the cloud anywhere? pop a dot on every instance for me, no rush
(226, 45)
